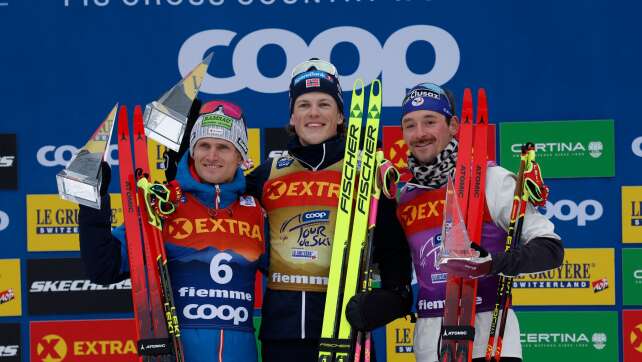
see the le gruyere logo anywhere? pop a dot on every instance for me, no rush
(631, 214)
(181, 228)
(52, 223)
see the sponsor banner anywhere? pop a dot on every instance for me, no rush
(10, 288)
(569, 336)
(399, 341)
(52, 223)
(587, 277)
(4, 220)
(276, 141)
(8, 162)
(396, 150)
(632, 214)
(632, 335)
(636, 146)
(632, 276)
(10, 342)
(564, 148)
(60, 286)
(254, 140)
(84, 340)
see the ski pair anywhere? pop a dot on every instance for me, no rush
(154, 311)
(458, 330)
(529, 186)
(349, 249)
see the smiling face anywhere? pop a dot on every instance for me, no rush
(315, 117)
(216, 160)
(427, 133)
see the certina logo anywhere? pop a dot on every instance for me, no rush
(594, 148)
(599, 340)
(637, 275)
(325, 189)
(9, 350)
(568, 210)
(52, 156)
(4, 220)
(181, 228)
(395, 73)
(52, 286)
(412, 213)
(565, 340)
(310, 229)
(636, 146)
(7, 161)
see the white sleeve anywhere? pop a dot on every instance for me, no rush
(500, 188)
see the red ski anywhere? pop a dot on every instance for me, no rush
(459, 312)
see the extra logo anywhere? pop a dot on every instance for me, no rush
(635, 337)
(279, 189)
(51, 348)
(4, 220)
(311, 230)
(412, 213)
(181, 228)
(52, 156)
(568, 210)
(394, 68)
(636, 146)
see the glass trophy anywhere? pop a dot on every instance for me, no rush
(166, 119)
(80, 181)
(455, 241)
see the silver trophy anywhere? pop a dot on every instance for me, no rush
(80, 181)
(166, 119)
(455, 242)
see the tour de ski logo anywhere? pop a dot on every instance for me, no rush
(311, 230)
(428, 257)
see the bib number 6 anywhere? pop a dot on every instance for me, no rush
(220, 272)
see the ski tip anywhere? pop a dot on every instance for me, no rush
(123, 128)
(138, 119)
(375, 88)
(482, 106)
(467, 106)
(357, 87)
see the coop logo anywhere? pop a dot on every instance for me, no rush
(4, 220)
(224, 312)
(568, 210)
(51, 348)
(52, 156)
(393, 66)
(636, 146)
(310, 229)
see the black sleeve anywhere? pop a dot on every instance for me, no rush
(99, 249)
(539, 254)
(391, 251)
(254, 180)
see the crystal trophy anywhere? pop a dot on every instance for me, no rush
(166, 119)
(455, 241)
(80, 181)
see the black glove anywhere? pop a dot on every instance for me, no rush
(473, 268)
(105, 174)
(367, 311)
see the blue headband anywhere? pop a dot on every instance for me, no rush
(429, 97)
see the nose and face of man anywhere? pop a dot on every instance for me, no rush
(216, 160)
(315, 118)
(427, 133)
